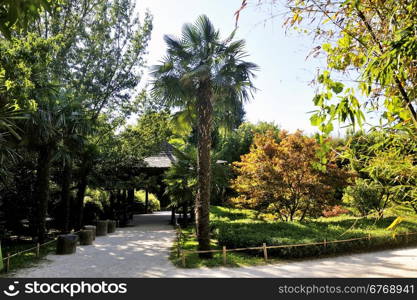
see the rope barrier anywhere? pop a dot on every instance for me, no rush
(264, 247)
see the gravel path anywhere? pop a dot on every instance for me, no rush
(143, 250)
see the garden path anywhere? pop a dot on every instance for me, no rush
(143, 250)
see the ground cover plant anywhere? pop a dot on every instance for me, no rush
(241, 228)
(27, 259)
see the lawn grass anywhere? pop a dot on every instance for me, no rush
(234, 259)
(236, 228)
(27, 259)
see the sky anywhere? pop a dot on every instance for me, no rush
(284, 94)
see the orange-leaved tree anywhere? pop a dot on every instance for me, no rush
(282, 177)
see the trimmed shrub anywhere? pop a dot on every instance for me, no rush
(154, 204)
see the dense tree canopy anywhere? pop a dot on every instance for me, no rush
(67, 82)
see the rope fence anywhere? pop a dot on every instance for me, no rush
(183, 253)
(36, 249)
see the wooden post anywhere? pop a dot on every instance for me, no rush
(406, 237)
(224, 255)
(8, 263)
(325, 243)
(265, 252)
(183, 259)
(37, 250)
(369, 236)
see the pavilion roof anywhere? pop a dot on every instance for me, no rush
(162, 159)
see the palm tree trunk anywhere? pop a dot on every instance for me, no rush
(65, 194)
(173, 218)
(202, 207)
(185, 214)
(42, 190)
(129, 206)
(81, 188)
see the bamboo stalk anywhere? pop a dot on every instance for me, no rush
(224, 255)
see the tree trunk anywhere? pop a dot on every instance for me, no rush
(65, 195)
(130, 196)
(146, 201)
(42, 190)
(130, 203)
(192, 214)
(185, 214)
(304, 213)
(112, 200)
(202, 206)
(173, 219)
(82, 186)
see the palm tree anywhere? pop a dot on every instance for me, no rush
(75, 128)
(201, 70)
(49, 129)
(42, 136)
(180, 183)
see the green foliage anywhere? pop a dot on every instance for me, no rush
(96, 196)
(181, 179)
(147, 135)
(20, 13)
(236, 229)
(232, 145)
(375, 39)
(27, 259)
(95, 201)
(66, 86)
(241, 228)
(386, 161)
(24, 83)
(154, 204)
(200, 55)
(366, 196)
